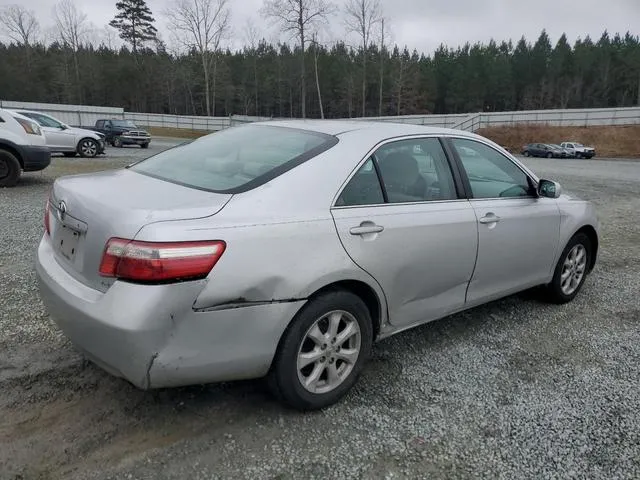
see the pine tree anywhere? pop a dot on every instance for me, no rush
(135, 23)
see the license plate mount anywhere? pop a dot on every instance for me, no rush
(67, 241)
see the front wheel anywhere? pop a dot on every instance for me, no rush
(144, 145)
(117, 142)
(88, 148)
(10, 169)
(323, 351)
(578, 155)
(526, 153)
(571, 270)
(549, 155)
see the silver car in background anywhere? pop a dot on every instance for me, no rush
(285, 249)
(62, 138)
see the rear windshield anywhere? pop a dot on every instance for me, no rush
(236, 159)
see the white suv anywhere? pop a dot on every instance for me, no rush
(61, 138)
(22, 147)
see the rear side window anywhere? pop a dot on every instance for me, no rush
(237, 159)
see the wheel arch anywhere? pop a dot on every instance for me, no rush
(12, 150)
(591, 233)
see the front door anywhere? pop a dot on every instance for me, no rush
(401, 220)
(59, 138)
(518, 231)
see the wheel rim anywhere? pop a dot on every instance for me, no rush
(88, 148)
(4, 169)
(329, 351)
(573, 269)
(117, 142)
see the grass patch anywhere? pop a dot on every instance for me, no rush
(176, 132)
(609, 141)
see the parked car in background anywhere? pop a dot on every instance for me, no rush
(564, 153)
(22, 147)
(123, 132)
(287, 248)
(62, 138)
(541, 150)
(578, 150)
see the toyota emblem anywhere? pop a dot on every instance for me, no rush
(62, 210)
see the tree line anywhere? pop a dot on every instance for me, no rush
(308, 78)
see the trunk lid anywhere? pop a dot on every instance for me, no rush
(87, 210)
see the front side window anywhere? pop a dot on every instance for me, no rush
(490, 173)
(43, 120)
(236, 159)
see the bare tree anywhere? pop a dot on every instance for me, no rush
(382, 53)
(361, 17)
(297, 17)
(314, 41)
(19, 24)
(201, 25)
(72, 28)
(252, 35)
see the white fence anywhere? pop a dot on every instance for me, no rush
(87, 115)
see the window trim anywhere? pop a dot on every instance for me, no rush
(453, 167)
(465, 178)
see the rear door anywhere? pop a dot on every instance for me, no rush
(518, 231)
(400, 218)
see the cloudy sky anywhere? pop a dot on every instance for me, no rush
(420, 24)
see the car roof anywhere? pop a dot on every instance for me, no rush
(339, 127)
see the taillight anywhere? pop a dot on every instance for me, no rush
(47, 223)
(151, 262)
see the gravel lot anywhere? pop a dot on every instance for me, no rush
(514, 389)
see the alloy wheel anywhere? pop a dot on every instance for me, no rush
(573, 269)
(329, 351)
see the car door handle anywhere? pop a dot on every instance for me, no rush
(366, 228)
(490, 218)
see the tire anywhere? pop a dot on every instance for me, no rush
(284, 378)
(144, 145)
(526, 153)
(117, 142)
(549, 155)
(69, 154)
(555, 291)
(578, 155)
(10, 169)
(88, 148)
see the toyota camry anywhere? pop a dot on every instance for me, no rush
(285, 249)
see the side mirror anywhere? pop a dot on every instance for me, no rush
(549, 189)
(63, 126)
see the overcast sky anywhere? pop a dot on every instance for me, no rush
(421, 24)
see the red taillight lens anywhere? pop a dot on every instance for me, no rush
(151, 262)
(47, 224)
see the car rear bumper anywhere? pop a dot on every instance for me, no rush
(35, 157)
(150, 334)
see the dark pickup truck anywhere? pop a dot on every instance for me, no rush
(122, 132)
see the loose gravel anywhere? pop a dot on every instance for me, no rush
(513, 389)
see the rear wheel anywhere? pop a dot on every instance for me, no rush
(526, 153)
(10, 169)
(322, 352)
(571, 270)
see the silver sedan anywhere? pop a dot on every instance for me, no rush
(285, 249)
